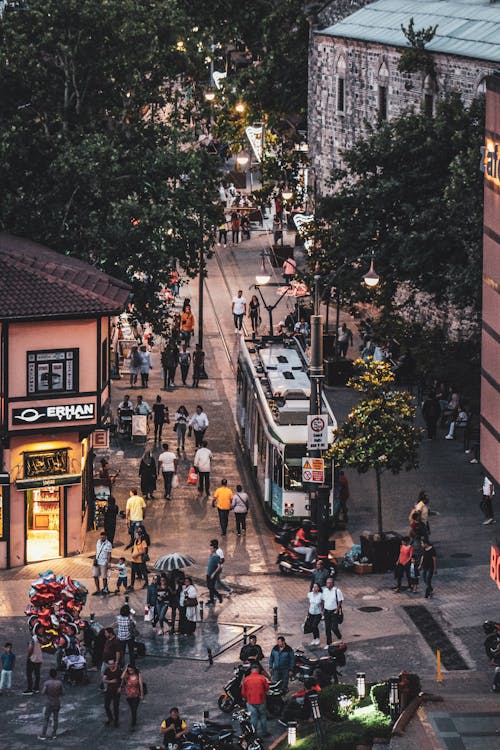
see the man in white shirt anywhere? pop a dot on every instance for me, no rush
(332, 608)
(198, 423)
(142, 407)
(202, 462)
(239, 309)
(167, 464)
(103, 551)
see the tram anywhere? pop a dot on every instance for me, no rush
(273, 392)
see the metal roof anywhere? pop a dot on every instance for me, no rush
(466, 28)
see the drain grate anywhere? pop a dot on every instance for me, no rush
(370, 609)
(436, 638)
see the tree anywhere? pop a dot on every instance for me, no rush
(379, 433)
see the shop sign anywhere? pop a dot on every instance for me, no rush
(100, 439)
(46, 463)
(62, 480)
(490, 161)
(59, 413)
(495, 564)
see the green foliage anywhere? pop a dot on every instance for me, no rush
(329, 701)
(416, 58)
(379, 695)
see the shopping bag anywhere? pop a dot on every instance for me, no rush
(307, 626)
(175, 482)
(148, 614)
(192, 477)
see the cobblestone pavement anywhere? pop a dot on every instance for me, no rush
(381, 643)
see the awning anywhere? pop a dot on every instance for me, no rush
(62, 480)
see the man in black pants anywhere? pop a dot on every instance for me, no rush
(428, 565)
(332, 603)
(112, 680)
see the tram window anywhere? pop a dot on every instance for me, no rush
(293, 467)
(277, 467)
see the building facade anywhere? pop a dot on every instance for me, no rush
(490, 339)
(54, 393)
(354, 80)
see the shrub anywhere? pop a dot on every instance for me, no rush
(344, 740)
(379, 695)
(329, 701)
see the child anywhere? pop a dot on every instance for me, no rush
(121, 567)
(8, 660)
(413, 574)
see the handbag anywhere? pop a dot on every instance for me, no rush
(307, 626)
(340, 614)
(148, 614)
(190, 602)
(145, 557)
(175, 482)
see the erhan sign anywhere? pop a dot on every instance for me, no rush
(490, 161)
(60, 413)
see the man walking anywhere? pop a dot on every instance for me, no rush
(223, 497)
(112, 679)
(428, 566)
(281, 662)
(332, 608)
(344, 339)
(52, 690)
(198, 365)
(239, 505)
(254, 690)
(135, 513)
(486, 504)
(202, 462)
(239, 309)
(218, 577)
(34, 661)
(167, 464)
(198, 423)
(103, 550)
(213, 568)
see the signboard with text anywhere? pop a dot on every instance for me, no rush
(313, 470)
(317, 432)
(57, 413)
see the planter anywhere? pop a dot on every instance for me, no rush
(362, 568)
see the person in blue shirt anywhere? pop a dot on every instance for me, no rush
(8, 661)
(213, 568)
(281, 662)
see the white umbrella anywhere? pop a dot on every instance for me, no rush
(174, 561)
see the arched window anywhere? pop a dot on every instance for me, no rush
(481, 87)
(429, 93)
(340, 79)
(383, 89)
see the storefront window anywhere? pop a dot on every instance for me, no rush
(54, 371)
(43, 516)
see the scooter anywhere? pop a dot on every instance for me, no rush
(323, 669)
(492, 640)
(291, 562)
(231, 697)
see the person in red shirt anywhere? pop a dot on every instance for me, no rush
(254, 690)
(403, 563)
(302, 542)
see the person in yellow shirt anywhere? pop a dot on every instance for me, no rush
(135, 513)
(222, 501)
(139, 566)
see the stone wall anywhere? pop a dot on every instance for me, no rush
(368, 67)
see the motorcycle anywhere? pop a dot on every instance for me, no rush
(492, 640)
(231, 697)
(291, 562)
(323, 669)
(298, 707)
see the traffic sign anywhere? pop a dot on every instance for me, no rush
(317, 432)
(313, 470)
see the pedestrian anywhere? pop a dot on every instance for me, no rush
(112, 679)
(139, 560)
(315, 612)
(198, 423)
(147, 473)
(103, 550)
(431, 412)
(198, 365)
(111, 651)
(174, 279)
(254, 689)
(319, 575)
(181, 420)
(238, 308)
(403, 563)
(235, 227)
(222, 501)
(281, 662)
(34, 660)
(161, 605)
(486, 504)
(344, 338)
(169, 362)
(142, 407)
(110, 515)
(134, 365)
(53, 690)
(8, 661)
(134, 691)
(135, 513)
(173, 729)
(245, 227)
(222, 558)
(125, 632)
(254, 314)
(332, 610)
(343, 496)
(160, 417)
(428, 566)
(413, 574)
(146, 365)
(239, 505)
(252, 652)
(188, 607)
(121, 568)
(187, 325)
(213, 567)
(223, 232)
(167, 464)
(289, 269)
(422, 507)
(202, 462)
(185, 363)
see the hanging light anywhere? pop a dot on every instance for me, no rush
(209, 96)
(371, 278)
(263, 277)
(292, 732)
(242, 158)
(361, 684)
(239, 107)
(287, 194)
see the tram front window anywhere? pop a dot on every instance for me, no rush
(293, 467)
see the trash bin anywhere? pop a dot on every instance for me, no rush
(382, 553)
(337, 371)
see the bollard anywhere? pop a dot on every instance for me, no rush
(210, 657)
(275, 617)
(92, 615)
(206, 716)
(201, 611)
(245, 636)
(438, 666)
(126, 598)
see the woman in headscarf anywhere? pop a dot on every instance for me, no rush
(147, 473)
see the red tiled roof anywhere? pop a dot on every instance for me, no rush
(37, 282)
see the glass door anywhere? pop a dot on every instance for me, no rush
(43, 523)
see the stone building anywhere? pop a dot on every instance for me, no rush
(354, 80)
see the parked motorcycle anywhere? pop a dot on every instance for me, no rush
(291, 562)
(231, 697)
(492, 640)
(323, 669)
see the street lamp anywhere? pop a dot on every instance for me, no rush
(371, 278)
(209, 96)
(262, 278)
(242, 159)
(239, 107)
